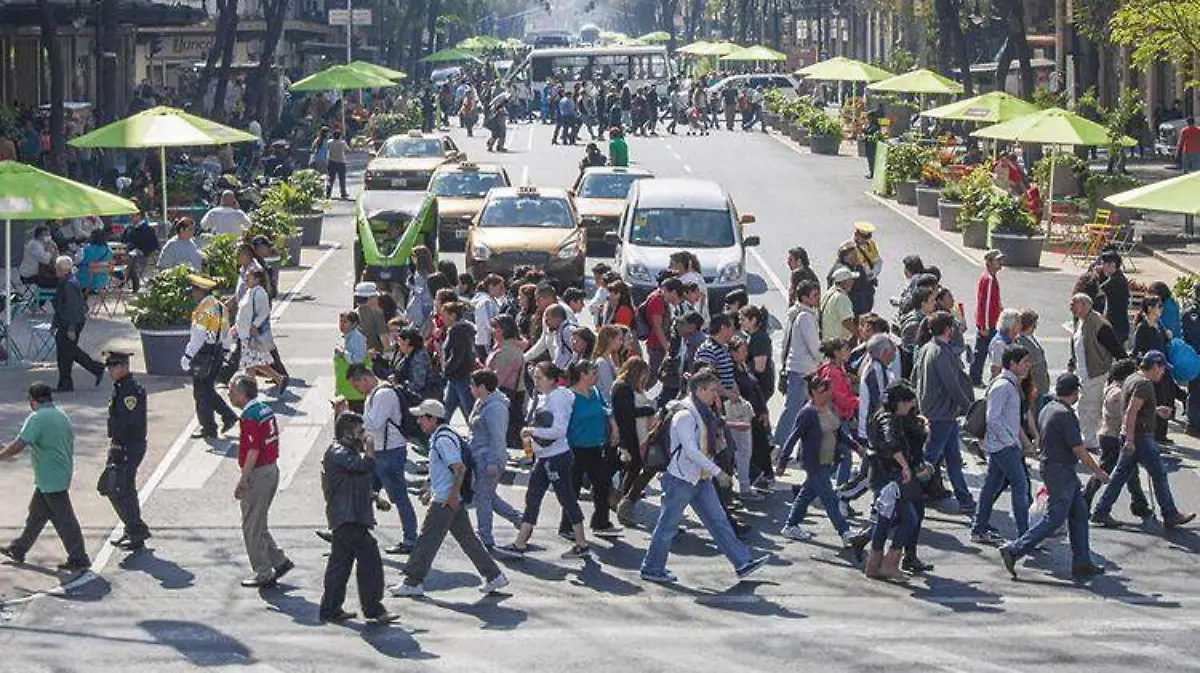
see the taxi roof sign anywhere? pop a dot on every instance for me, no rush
(415, 133)
(527, 190)
(468, 166)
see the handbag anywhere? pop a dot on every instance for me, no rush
(111, 482)
(207, 361)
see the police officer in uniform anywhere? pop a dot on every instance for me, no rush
(127, 434)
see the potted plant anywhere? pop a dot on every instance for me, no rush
(825, 133)
(220, 261)
(162, 313)
(798, 113)
(773, 102)
(950, 202)
(977, 192)
(1098, 186)
(854, 121)
(904, 162)
(933, 177)
(1069, 173)
(302, 197)
(1013, 230)
(280, 228)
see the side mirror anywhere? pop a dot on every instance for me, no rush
(750, 242)
(747, 218)
(611, 238)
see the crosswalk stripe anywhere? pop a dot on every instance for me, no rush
(200, 462)
(299, 431)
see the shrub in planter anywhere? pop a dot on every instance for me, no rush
(1098, 186)
(974, 190)
(162, 313)
(278, 226)
(904, 162)
(383, 126)
(948, 206)
(825, 133)
(1069, 173)
(302, 197)
(1013, 230)
(220, 260)
(930, 188)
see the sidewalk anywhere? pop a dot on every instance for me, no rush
(170, 409)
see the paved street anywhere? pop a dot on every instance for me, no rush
(178, 606)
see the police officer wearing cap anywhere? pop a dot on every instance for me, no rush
(127, 437)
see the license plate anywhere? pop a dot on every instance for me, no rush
(399, 182)
(461, 233)
(385, 274)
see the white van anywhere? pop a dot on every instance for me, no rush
(663, 216)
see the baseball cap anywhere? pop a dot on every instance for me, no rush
(1152, 358)
(366, 290)
(1066, 384)
(840, 274)
(429, 408)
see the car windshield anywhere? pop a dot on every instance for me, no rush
(682, 228)
(411, 147)
(465, 184)
(607, 185)
(519, 211)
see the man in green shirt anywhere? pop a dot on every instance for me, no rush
(618, 151)
(49, 436)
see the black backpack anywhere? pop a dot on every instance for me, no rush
(658, 452)
(467, 492)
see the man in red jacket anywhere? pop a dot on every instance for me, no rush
(987, 311)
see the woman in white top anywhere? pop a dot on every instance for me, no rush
(37, 266)
(254, 330)
(553, 461)
(687, 266)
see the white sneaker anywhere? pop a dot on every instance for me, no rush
(848, 539)
(796, 533)
(402, 589)
(493, 585)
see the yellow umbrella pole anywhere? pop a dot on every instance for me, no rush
(162, 163)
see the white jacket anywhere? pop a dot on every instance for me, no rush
(688, 461)
(804, 351)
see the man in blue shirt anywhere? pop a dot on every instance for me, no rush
(447, 512)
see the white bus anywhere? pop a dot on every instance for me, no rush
(639, 65)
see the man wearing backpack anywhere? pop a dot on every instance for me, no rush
(447, 496)
(655, 314)
(383, 418)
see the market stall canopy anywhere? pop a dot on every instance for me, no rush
(379, 70)
(842, 69)
(755, 53)
(1178, 195)
(1052, 126)
(656, 36)
(28, 193)
(450, 56)
(989, 108)
(162, 127)
(341, 78)
(921, 81)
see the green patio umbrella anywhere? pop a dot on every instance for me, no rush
(162, 127)
(919, 81)
(450, 56)
(28, 193)
(479, 43)
(992, 108)
(697, 48)
(755, 53)
(342, 78)
(842, 69)
(1180, 194)
(656, 36)
(379, 70)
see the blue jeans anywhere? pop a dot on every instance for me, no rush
(817, 485)
(458, 396)
(1004, 466)
(845, 464)
(982, 341)
(488, 502)
(944, 442)
(793, 402)
(702, 496)
(389, 468)
(1146, 454)
(1066, 503)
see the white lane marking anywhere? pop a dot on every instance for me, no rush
(311, 327)
(686, 168)
(771, 275)
(200, 463)
(304, 281)
(525, 174)
(896, 209)
(300, 431)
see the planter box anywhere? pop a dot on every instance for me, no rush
(293, 250)
(947, 212)
(927, 200)
(772, 120)
(862, 149)
(906, 193)
(1019, 250)
(786, 127)
(976, 235)
(799, 134)
(310, 228)
(825, 144)
(163, 349)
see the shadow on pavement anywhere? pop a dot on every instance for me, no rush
(300, 609)
(391, 640)
(169, 574)
(738, 598)
(592, 576)
(488, 609)
(199, 643)
(956, 595)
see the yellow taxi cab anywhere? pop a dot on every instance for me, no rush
(407, 161)
(520, 226)
(600, 193)
(460, 189)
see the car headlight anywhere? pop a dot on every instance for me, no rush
(732, 273)
(569, 249)
(639, 272)
(480, 252)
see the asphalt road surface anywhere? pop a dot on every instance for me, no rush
(178, 606)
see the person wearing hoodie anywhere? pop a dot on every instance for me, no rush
(945, 394)
(845, 402)
(487, 306)
(489, 448)
(800, 355)
(458, 358)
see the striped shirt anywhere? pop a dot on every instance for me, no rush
(718, 356)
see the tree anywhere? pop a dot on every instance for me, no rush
(260, 84)
(951, 42)
(1159, 30)
(1016, 45)
(226, 34)
(49, 24)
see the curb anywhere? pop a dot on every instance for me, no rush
(1169, 260)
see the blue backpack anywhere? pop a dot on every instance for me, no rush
(1185, 363)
